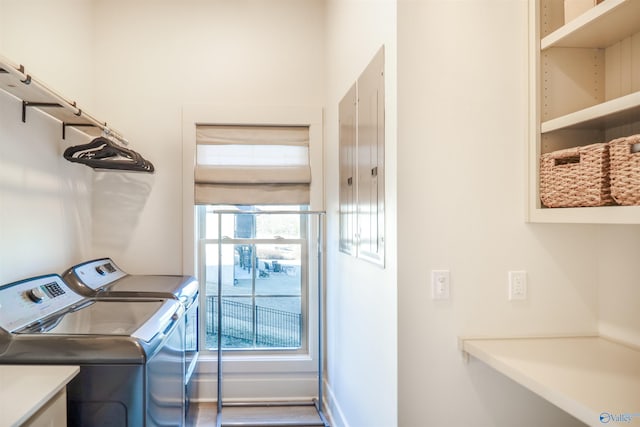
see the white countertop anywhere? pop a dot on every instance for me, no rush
(26, 388)
(588, 377)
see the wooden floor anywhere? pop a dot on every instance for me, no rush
(205, 415)
(281, 416)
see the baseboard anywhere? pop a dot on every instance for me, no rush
(255, 388)
(619, 334)
(332, 408)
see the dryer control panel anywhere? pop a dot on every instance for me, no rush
(27, 301)
(95, 275)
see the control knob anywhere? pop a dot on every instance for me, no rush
(36, 295)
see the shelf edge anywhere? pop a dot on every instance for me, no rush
(586, 215)
(600, 111)
(581, 23)
(505, 364)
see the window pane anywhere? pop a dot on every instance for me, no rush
(271, 226)
(279, 269)
(252, 155)
(262, 283)
(210, 223)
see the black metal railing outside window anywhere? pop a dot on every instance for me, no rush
(254, 325)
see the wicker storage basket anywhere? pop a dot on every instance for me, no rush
(576, 177)
(625, 170)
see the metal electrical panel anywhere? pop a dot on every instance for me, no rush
(362, 165)
(347, 127)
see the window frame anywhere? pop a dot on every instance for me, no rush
(247, 372)
(305, 257)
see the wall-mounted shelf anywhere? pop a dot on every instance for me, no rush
(584, 89)
(593, 28)
(104, 153)
(588, 377)
(15, 80)
(611, 113)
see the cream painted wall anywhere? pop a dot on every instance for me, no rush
(619, 290)
(2, 19)
(53, 40)
(462, 129)
(361, 297)
(155, 57)
(45, 211)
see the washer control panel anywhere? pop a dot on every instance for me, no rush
(27, 301)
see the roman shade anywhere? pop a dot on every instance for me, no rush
(250, 165)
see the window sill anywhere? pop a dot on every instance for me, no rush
(257, 364)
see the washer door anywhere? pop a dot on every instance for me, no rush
(100, 318)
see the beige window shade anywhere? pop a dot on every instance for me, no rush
(238, 164)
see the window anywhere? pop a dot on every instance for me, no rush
(261, 261)
(257, 364)
(254, 265)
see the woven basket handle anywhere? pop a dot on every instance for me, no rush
(566, 156)
(631, 142)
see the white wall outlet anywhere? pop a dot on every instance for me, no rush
(440, 285)
(517, 285)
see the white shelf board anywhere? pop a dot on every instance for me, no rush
(584, 376)
(17, 82)
(587, 215)
(34, 94)
(599, 27)
(610, 113)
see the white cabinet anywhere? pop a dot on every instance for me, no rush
(585, 89)
(34, 396)
(51, 414)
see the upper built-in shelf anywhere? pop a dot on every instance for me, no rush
(599, 27)
(15, 80)
(592, 378)
(610, 113)
(583, 90)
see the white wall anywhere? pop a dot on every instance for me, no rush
(155, 57)
(45, 211)
(618, 290)
(3, 17)
(462, 129)
(361, 297)
(53, 40)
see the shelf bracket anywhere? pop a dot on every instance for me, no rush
(463, 352)
(26, 104)
(74, 125)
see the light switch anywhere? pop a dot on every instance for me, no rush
(517, 285)
(440, 285)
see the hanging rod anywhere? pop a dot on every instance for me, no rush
(21, 74)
